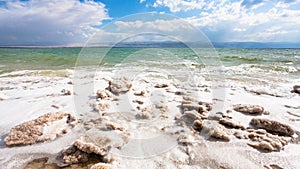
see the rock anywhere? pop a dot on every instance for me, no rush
(73, 155)
(115, 126)
(141, 93)
(194, 106)
(86, 148)
(138, 101)
(189, 117)
(296, 89)
(179, 93)
(100, 106)
(212, 129)
(163, 109)
(55, 124)
(66, 92)
(185, 140)
(119, 86)
(232, 124)
(144, 114)
(89, 146)
(249, 109)
(197, 125)
(208, 106)
(240, 135)
(104, 94)
(102, 166)
(162, 85)
(267, 141)
(272, 126)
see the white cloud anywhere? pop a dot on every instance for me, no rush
(180, 5)
(49, 22)
(150, 28)
(226, 20)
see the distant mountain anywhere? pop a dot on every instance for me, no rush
(170, 44)
(215, 44)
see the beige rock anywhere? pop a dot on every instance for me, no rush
(115, 126)
(83, 149)
(212, 129)
(104, 94)
(249, 109)
(32, 131)
(232, 124)
(66, 92)
(272, 126)
(197, 125)
(102, 166)
(119, 86)
(267, 141)
(162, 85)
(189, 117)
(138, 101)
(73, 155)
(296, 89)
(141, 93)
(86, 145)
(145, 113)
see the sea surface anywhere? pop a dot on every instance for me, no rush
(228, 62)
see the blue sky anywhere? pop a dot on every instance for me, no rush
(73, 22)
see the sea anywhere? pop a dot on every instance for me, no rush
(265, 67)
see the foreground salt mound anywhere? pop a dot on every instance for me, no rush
(272, 126)
(119, 86)
(249, 109)
(83, 149)
(46, 127)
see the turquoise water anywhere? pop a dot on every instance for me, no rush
(281, 60)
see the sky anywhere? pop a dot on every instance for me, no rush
(74, 22)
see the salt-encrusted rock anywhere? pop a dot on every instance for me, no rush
(230, 123)
(161, 85)
(296, 89)
(115, 126)
(66, 92)
(144, 114)
(73, 155)
(197, 125)
(102, 166)
(138, 101)
(185, 139)
(100, 106)
(267, 141)
(119, 86)
(272, 126)
(249, 109)
(94, 144)
(189, 117)
(208, 106)
(91, 147)
(46, 127)
(163, 108)
(194, 106)
(140, 93)
(104, 94)
(179, 93)
(212, 129)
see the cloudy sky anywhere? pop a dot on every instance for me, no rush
(73, 22)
